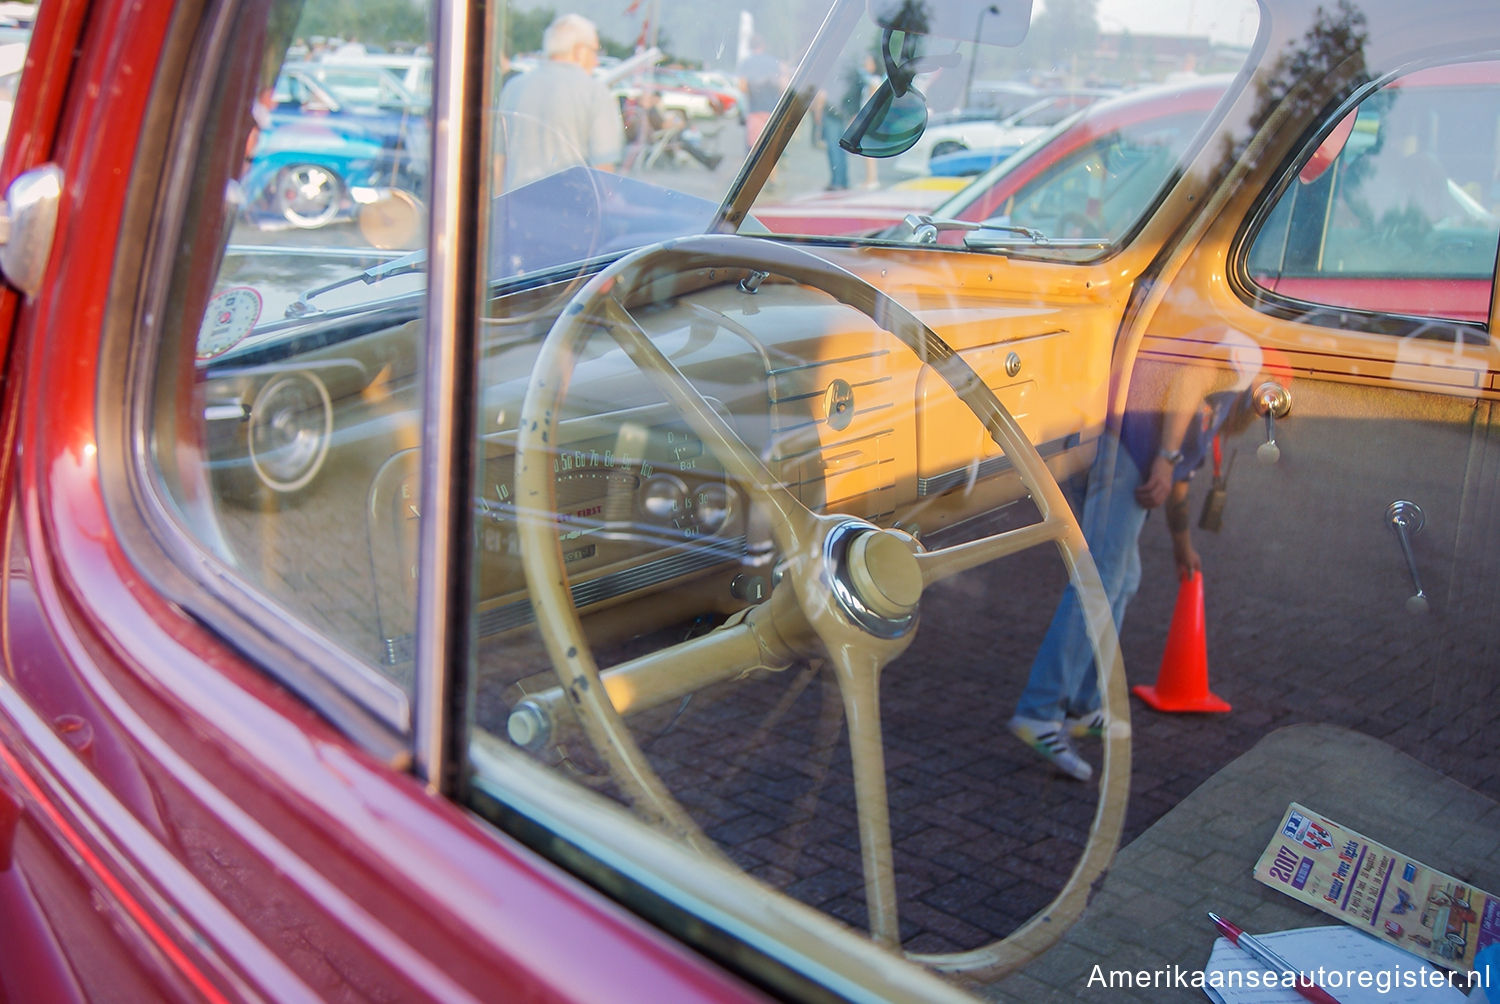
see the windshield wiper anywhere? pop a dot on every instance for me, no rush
(405, 265)
(925, 229)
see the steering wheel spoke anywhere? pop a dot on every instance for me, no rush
(858, 674)
(944, 562)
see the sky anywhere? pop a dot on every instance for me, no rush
(1221, 20)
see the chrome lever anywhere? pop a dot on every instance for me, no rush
(1272, 401)
(1406, 519)
(28, 224)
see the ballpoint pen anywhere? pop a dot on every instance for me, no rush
(1258, 950)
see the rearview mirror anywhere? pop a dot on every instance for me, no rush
(1003, 23)
(892, 119)
(888, 123)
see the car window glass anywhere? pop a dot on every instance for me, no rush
(1051, 112)
(1099, 191)
(308, 355)
(15, 37)
(966, 166)
(765, 534)
(1404, 219)
(674, 427)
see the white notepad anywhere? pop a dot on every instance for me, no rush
(1343, 953)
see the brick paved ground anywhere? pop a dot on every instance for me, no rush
(984, 833)
(1150, 913)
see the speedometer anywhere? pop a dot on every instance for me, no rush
(230, 317)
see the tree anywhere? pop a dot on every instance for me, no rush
(521, 30)
(1063, 31)
(378, 22)
(1328, 59)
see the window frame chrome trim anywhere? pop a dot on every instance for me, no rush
(368, 707)
(1384, 324)
(442, 677)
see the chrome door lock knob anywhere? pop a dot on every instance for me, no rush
(1272, 401)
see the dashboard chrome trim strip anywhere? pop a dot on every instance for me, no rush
(990, 468)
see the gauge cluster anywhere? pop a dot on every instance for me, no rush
(639, 507)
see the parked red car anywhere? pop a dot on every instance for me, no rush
(1051, 173)
(601, 598)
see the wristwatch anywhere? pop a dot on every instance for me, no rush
(1174, 457)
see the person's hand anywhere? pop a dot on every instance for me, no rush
(1188, 562)
(1153, 491)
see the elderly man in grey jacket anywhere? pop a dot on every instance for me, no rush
(558, 115)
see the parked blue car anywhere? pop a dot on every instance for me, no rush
(323, 157)
(967, 163)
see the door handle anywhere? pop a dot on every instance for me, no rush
(1406, 519)
(28, 223)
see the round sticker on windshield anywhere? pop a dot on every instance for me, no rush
(230, 317)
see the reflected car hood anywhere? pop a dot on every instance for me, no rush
(856, 211)
(582, 214)
(555, 223)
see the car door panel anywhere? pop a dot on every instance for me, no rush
(1387, 408)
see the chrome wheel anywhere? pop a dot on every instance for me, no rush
(291, 424)
(308, 195)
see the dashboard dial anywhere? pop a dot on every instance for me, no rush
(231, 316)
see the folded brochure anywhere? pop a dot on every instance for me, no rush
(1368, 885)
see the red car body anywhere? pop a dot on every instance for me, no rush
(183, 815)
(145, 798)
(857, 211)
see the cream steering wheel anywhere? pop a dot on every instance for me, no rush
(850, 591)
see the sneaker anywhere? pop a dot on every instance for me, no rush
(1090, 725)
(1049, 739)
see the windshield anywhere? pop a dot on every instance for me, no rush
(1138, 117)
(685, 129)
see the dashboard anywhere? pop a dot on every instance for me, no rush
(839, 410)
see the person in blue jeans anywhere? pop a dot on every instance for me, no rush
(1149, 460)
(831, 116)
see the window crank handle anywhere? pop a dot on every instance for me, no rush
(1272, 401)
(1406, 519)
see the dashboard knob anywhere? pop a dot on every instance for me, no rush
(529, 726)
(748, 587)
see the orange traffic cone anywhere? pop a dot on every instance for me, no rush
(1182, 681)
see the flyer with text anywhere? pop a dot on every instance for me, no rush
(1376, 889)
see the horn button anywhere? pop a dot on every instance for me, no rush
(876, 577)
